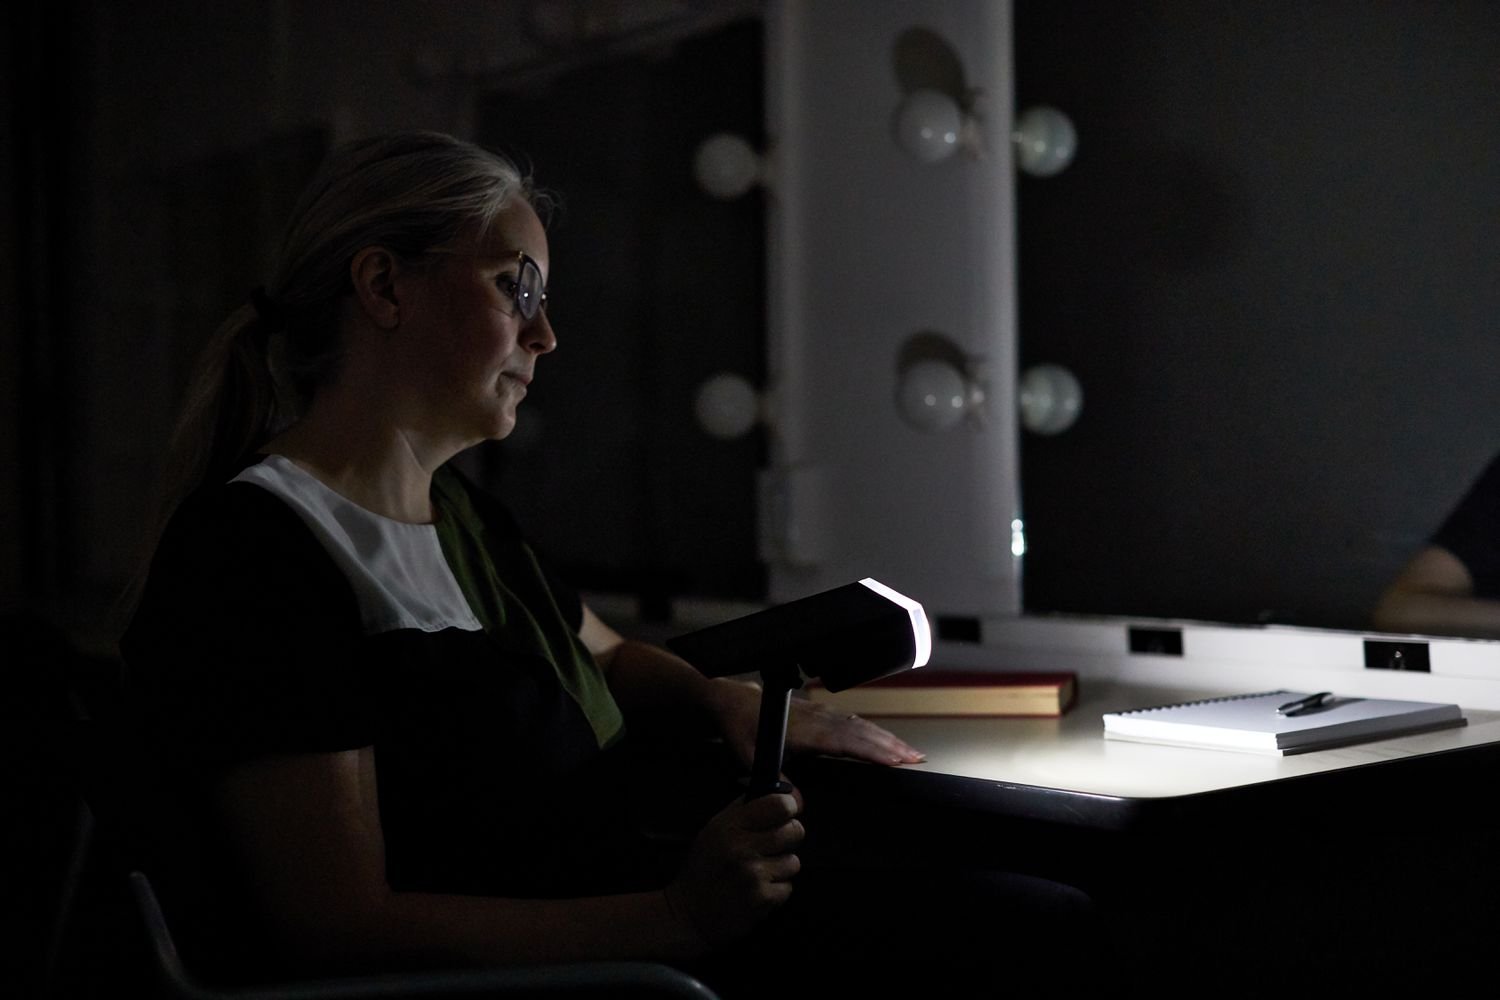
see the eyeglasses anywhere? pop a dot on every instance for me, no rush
(525, 288)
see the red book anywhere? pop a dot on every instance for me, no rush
(930, 691)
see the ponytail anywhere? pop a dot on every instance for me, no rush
(229, 408)
(227, 412)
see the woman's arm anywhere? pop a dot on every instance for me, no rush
(1434, 593)
(306, 829)
(647, 679)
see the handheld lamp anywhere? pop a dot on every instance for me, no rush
(845, 636)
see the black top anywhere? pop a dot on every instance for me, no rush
(281, 618)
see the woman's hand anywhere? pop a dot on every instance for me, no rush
(810, 727)
(739, 868)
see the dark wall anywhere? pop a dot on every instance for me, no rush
(1273, 268)
(655, 286)
(44, 68)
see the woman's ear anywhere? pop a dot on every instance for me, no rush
(373, 274)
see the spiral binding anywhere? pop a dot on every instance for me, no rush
(1201, 701)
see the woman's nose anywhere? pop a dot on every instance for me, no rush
(538, 335)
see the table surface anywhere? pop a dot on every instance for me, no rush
(1070, 754)
(1158, 833)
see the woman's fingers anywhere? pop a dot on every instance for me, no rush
(819, 729)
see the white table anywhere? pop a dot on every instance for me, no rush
(1064, 769)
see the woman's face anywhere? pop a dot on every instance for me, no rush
(472, 351)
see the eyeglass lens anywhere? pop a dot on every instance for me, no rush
(530, 295)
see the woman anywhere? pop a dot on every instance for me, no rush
(410, 735)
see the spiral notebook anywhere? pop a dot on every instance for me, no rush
(1249, 722)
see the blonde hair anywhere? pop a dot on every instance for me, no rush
(410, 192)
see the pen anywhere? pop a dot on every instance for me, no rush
(1304, 704)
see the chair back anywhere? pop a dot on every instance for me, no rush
(151, 835)
(611, 980)
(172, 976)
(48, 828)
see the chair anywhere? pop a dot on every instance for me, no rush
(48, 834)
(611, 979)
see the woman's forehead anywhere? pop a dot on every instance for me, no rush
(515, 228)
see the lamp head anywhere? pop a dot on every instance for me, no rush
(846, 636)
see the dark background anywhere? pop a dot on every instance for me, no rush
(1273, 268)
(655, 288)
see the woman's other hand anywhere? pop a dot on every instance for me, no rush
(739, 868)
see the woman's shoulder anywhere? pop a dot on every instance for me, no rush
(235, 551)
(235, 514)
(241, 533)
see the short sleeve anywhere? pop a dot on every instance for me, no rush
(247, 641)
(1472, 531)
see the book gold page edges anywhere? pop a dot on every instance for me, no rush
(936, 692)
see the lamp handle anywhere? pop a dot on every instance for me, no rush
(777, 685)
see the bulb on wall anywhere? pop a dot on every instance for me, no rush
(938, 385)
(727, 406)
(929, 125)
(932, 125)
(933, 395)
(1050, 399)
(726, 166)
(1045, 141)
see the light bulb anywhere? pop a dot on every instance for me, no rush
(932, 395)
(727, 406)
(1050, 399)
(726, 166)
(1045, 141)
(929, 125)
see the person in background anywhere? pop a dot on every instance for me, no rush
(1452, 585)
(412, 742)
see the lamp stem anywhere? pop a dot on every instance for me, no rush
(777, 685)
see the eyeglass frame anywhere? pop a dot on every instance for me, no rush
(524, 261)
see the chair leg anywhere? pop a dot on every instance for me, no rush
(60, 933)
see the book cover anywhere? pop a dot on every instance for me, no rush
(929, 692)
(1250, 722)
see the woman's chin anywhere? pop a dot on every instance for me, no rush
(503, 425)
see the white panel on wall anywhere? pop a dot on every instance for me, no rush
(869, 247)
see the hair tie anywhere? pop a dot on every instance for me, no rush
(271, 313)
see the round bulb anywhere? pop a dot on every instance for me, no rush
(1050, 399)
(727, 406)
(932, 395)
(1045, 141)
(929, 125)
(726, 166)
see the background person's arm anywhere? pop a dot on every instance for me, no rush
(1434, 594)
